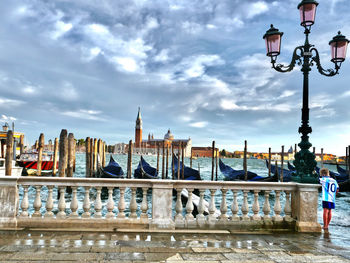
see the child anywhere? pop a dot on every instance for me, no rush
(329, 190)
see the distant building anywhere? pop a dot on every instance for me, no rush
(151, 145)
(3, 136)
(205, 152)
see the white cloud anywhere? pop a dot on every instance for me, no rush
(30, 90)
(126, 63)
(84, 114)
(68, 92)
(199, 124)
(162, 56)
(346, 94)
(60, 29)
(228, 105)
(195, 66)
(5, 118)
(9, 103)
(287, 93)
(257, 8)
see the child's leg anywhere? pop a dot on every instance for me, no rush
(325, 218)
(329, 216)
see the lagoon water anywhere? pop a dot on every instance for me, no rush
(340, 224)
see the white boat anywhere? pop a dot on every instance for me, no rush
(16, 170)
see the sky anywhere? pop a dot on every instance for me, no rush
(197, 67)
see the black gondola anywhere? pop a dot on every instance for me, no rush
(287, 174)
(189, 173)
(145, 171)
(112, 170)
(232, 174)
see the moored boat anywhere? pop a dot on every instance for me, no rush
(112, 170)
(145, 171)
(232, 174)
(189, 173)
(277, 171)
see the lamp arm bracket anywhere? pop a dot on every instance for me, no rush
(325, 72)
(295, 59)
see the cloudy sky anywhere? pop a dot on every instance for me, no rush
(196, 67)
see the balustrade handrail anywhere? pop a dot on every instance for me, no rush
(176, 184)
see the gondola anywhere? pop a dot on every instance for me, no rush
(232, 174)
(291, 167)
(287, 174)
(239, 175)
(145, 171)
(189, 173)
(112, 170)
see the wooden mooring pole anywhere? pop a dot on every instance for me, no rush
(55, 155)
(157, 157)
(245, 161)
(95, 156)
(167, 162)
(70, 162)
(87, 156)
(322, 158)
(349, 161)
(21, 144)
(9, 153)
(104, 154)
(313, 150)
(62, 163)
(40, 153)
(178, 161)
(282, 161)
(183, 161)
(163, 160)
(276, 171)
(191, 158)
(91, 157)
(269, 161)
(129, 160)
(172, 161)
(212, 160)
(295, 148)
(216, 165)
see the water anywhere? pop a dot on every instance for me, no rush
(339, 226)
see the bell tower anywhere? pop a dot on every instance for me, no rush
(138, 130)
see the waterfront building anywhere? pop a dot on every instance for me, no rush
(3, 135)
(151, 145)
(205, 152)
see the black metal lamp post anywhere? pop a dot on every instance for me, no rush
(306, 56)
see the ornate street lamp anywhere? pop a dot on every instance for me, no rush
(306, 56)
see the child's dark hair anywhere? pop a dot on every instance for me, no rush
(324, 172)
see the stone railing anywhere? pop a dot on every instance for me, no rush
(113, 205)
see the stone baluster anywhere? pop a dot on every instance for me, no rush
(144, 204)
(178, 206)
(212, 208)
(234, 206)
(37, 202)
(61, 203)
(266, 208)
(277, 207)
(245, 206)
(86, 204)
(74, 203)
(133, 204)
(121, 204)
(110, 203)
(287, 208)
(49, 202)
(256, 206)
(189, 206)
(25, 203)
(98, 203)
(200, 217)
(223, 206)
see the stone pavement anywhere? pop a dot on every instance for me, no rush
(45, 246)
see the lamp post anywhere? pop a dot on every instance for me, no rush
(306, 56)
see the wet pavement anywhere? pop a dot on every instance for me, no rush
(43, 246)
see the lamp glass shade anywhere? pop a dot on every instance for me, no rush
(307, 14)
(273, 45)
(338, 50)
(339, 45)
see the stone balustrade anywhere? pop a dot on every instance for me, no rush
(112, 205)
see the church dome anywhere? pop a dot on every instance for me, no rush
(169, 136)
